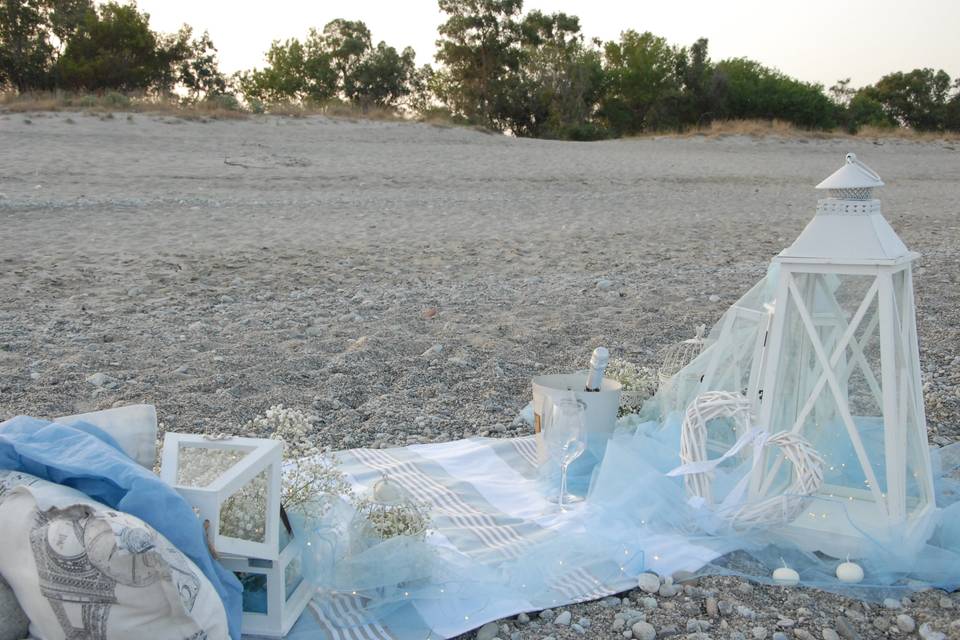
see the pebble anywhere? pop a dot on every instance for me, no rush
(648, 603)
(802, 634)
(714, 298)
(563, 618)
(845, 629)
(905, 623)
(684, 577)
(548, 615)
(627, 634)
(102, 380)
(745, 588)
(432, 351)
(576, 626)
(746, 612)
(523, 618)
(695, 626)
(891, 603)
(604, 283)
(946, 603)
(668, 590)
(648, 582)
(725, 607)
(829, 634)
(643, 631)
(429, 312)
(584, 622)
(711, 607)
(618, 624)
(759, 633)
(779, 635)
(928, 633)
(610, 602)
(488, 631)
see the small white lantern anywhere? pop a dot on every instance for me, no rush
(283, 592)
(840, 366)
(234, 484)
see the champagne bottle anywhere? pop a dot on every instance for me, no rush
(598, 364)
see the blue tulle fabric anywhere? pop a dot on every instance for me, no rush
(635, 515)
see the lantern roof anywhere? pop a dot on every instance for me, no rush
(852, 175)
(849, 227)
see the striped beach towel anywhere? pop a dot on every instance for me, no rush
(489, 510)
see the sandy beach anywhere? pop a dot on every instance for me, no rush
(403, 282)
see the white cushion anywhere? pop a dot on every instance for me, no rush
(134, 427)
(79, 568)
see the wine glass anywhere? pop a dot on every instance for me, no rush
(565, 437)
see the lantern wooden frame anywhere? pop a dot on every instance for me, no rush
(260, 455)
(283, 609)
(850, 238)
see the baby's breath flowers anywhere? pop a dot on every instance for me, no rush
(639, 384)
(312, 476)
(389, 512)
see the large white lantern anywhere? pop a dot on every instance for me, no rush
(839, 365)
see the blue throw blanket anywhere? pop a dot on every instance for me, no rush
(89, 460)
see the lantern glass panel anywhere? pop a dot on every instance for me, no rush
(828, 380)
(244, 514)
(292, 577)
(199, 466)
(909, 398)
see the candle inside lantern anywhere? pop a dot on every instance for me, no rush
(785, 575)
(849, 572)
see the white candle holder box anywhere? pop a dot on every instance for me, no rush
(234, 485)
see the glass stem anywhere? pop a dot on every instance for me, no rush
(563, 483)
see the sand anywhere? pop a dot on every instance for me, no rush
(403, 282)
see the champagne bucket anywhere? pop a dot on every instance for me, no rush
(599, 415)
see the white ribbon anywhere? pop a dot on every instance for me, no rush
(758, 438)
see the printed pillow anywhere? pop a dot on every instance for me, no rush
(14, 624)
(83, 570)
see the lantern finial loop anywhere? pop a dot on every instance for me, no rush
(853, 181)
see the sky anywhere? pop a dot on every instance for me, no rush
(813, 40)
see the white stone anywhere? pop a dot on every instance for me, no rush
(102, 380)
(563, 618)
(905, 623)
(488, 631)
(643, 631)
(648, 582)
(928, 633)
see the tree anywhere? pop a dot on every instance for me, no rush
(556, 89)
(200, 73)
(696, 74)
(64, 17)
(25, 48)
(916, 99)
(643, 85)
(115, 49)
(347, 43)
(381, 78)
(751, 90)
(480, 46)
